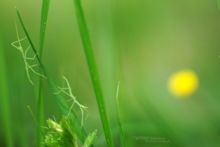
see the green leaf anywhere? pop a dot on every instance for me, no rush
(88, 50)
(90, 139)
(40, 104)
(5, 103)
(118, 114)
(43, 24)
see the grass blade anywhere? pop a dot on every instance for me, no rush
(93, 70)
(40, 113)
(4, 105)
(43, 24)
(28, 36)
(75, 122)
(40, 103)
(218, 4)
(121, 131)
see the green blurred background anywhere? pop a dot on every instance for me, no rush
(137, 42)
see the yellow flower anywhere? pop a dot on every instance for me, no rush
(183, 83)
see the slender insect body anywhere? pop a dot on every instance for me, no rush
(27, 59)
(68, 92)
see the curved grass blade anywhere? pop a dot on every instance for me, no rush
(4, 105)
(93, 70)
(74, 121)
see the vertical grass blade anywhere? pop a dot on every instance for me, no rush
(43, 24)
(218, 4)
(93, 70)
(75, 122)
(121, 131)
(40, 103)
(40, 113)
(4, 104)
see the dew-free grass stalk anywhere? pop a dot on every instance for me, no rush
(4, 105)
(75, 122)
(93, 70)
(40, 113)
(218, 4)
(40, 103)
(43, 24)
(118, 114)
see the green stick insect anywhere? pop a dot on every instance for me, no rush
(30, 62)
(68, 92)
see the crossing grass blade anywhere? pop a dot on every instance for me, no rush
(74, 120)
(93, 70)
(40, 103)
(4, 105)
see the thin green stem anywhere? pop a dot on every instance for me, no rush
(93, 70)
(43, 25)
(4, 105)
(121, 131)
(218, 4)
(40, 103)
(40, 114)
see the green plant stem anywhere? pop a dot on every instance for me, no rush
(43, 24)
(93, 70)
(40, 114)
(121, 131)
(218, 4)
(5, 103)
(40, 103)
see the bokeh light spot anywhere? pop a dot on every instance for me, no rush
(183, 83)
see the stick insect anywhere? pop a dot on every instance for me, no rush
(68, 92)
(27, 59)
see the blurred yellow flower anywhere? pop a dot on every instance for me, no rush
(183, 83)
